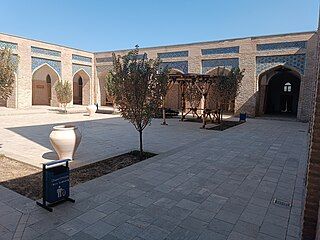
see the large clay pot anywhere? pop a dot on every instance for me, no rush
(65, 140)
(91, 109)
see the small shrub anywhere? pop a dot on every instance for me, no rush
(64, 93)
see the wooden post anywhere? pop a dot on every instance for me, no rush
(182, 101)
(204, 109)
(169, 86)
(163, 113)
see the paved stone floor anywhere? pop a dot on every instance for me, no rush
(221, 187)
(103, 136)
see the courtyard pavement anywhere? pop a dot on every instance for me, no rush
(220, 186)
(103, 136)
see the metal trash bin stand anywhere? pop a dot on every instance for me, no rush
(55, 184)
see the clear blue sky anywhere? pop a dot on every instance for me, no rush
(99, 25)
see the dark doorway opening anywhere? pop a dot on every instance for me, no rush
(77, 91)
(282, 93)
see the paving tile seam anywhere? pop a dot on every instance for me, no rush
(19, 231)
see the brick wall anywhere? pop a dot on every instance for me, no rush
(22, 95)
(247, 99)
(246, 55)
(311, 208)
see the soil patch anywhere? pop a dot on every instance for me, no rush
(225, 125)
(195, 119)
(199, 120)
(27, 180)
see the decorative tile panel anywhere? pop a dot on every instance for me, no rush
(222, 62)
(173, 54)
(9, 45)
(81, 58)
(225, 50)
(180, 65)
(104, 59)
(77, 67)
(140, 56)
(281, 46)
(36, 62)
(44, 51)
(110, 59)
(104, 68)
(296, 61)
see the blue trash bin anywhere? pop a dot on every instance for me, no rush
(57, 184)
(243, 117)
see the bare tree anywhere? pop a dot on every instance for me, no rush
(137, 86)
(64, 93)
(7, 69)
(226, 87)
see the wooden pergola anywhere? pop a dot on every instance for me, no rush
(203, 82)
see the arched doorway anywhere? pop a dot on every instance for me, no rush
(48, 81)
(77, 90)
(43, 80)
(81, 88)
(279, 92)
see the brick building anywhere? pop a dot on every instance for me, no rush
(280, 71)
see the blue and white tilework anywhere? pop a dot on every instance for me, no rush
(141, 56)
(179, 65)
(225, 50)
(296, 61)
(104, 68)
(81, 58)
(9, 45)
(282, 46)
(173, 54)
(44, 51)
(77, 67)
(222, 62)
(104, 59)
(36, 62)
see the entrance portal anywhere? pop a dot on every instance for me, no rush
(77, 91)
(43, 80)
(81, 88)
(279, 92)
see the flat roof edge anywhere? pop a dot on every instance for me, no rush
(40, 41)
(163, 46)
(214, 41)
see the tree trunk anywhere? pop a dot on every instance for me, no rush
(164, 116)
(141, 149)
(182, 102)
(204, 110)
(65, 108)
(114, 106)
(204, 119)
